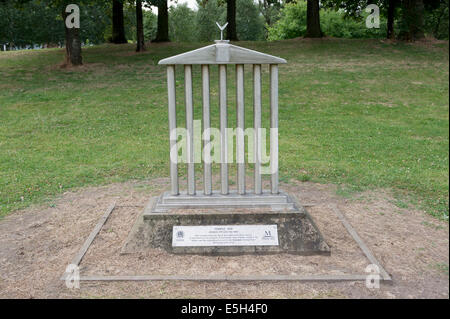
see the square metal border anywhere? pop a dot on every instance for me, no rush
(384, 276)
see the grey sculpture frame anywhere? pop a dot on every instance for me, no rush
(222, 54)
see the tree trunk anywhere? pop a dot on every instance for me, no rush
(313, 20)
(140, 45)
(162, 34)
(438, 23)
(390, 19)
(413, 16)
(231, 19)
(73, 43)
(265, 12)
(118, 28)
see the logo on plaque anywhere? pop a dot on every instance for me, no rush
(180, 234)
(267, 235)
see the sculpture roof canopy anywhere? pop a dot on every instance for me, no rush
(222, 52)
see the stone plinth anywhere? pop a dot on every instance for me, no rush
(297, 233)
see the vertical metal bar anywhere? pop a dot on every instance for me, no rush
(223, 128)
(240, 127)
(189, 128)
(207, 178)
(172, 129)
(274, 127)
(257, 126)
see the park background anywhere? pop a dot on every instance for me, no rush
(359, 107)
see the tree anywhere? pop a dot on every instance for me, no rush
(231, 19)
(270, 10)
(334, 23)
(150, 25)
(250, 24)
(291, 24)
(412, 20)
(140, 42)
(355, 8)
(72, 35)
(436, 18)
(162, 33)
(313, 20)
(118, 28)
(30, 23)
(73, 43)
(208, 13)
(390, 18)
(182, 26)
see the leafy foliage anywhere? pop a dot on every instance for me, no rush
(291, 24)
(150, 25)
(435, 14)
(182, 26)
(250, 24)
(31, 22)
(40, 22)
(208, 13)
(333, 23)
(437, 20)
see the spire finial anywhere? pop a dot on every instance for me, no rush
(221, 29)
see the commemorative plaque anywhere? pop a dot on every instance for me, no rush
(225, 235)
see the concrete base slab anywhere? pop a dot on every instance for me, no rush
(167, 201)
(297, 233)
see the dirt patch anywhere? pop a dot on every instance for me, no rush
(104, 257)
(85, 67)
(37, 244)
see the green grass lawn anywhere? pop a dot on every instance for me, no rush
(362, 114)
